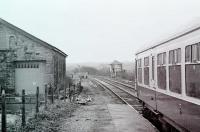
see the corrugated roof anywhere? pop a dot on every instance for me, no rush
(32, 37)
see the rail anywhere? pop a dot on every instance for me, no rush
(124, 95)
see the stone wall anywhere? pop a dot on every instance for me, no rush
(7, 69)
(59, 71)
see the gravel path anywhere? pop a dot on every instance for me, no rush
(95, 116)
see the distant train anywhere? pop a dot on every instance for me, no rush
(168, 80)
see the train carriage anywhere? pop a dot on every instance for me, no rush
(168, 79)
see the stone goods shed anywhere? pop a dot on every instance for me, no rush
(27, 62)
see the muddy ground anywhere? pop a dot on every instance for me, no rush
(94, 116)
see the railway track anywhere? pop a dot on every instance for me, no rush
(128, 88)
(123, 92)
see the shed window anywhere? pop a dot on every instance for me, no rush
(27, 65)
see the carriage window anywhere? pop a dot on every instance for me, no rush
(146, 61)
(161, 70)
(153, 67)
(175, 78)
(198, 51)
(194, 52)
(175, 70)
(161, 58)
(139, 63)
(192, 76)
(179, 55)
(164, 58)
(192, 71)
(188, 54)
(171, 56)
(140, 75)
(175, 56)
(146, 71)
(139, 70)
(161, 74)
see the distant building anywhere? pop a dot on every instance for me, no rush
(27, 62)
(116, 68)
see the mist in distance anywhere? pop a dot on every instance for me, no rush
(100, 31)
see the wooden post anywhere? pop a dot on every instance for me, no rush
(3, 116)
(69, 88)
(23, 110)
(74, 88)
(37, 100)
(52, 95)
(46, 96)
(73, 99)
(65, 93)
(69, 92)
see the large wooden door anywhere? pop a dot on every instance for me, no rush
(28, 76)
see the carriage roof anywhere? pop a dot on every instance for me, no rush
(193, 26)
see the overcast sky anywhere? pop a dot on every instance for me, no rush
(99, 30)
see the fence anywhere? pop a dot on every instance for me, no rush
(33, 100)
(25, 99)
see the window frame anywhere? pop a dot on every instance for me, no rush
(161, 62)
(139, 68)
(174, 57)
(146, 65)
(161, 59)
(146, 61)
(189, 58)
